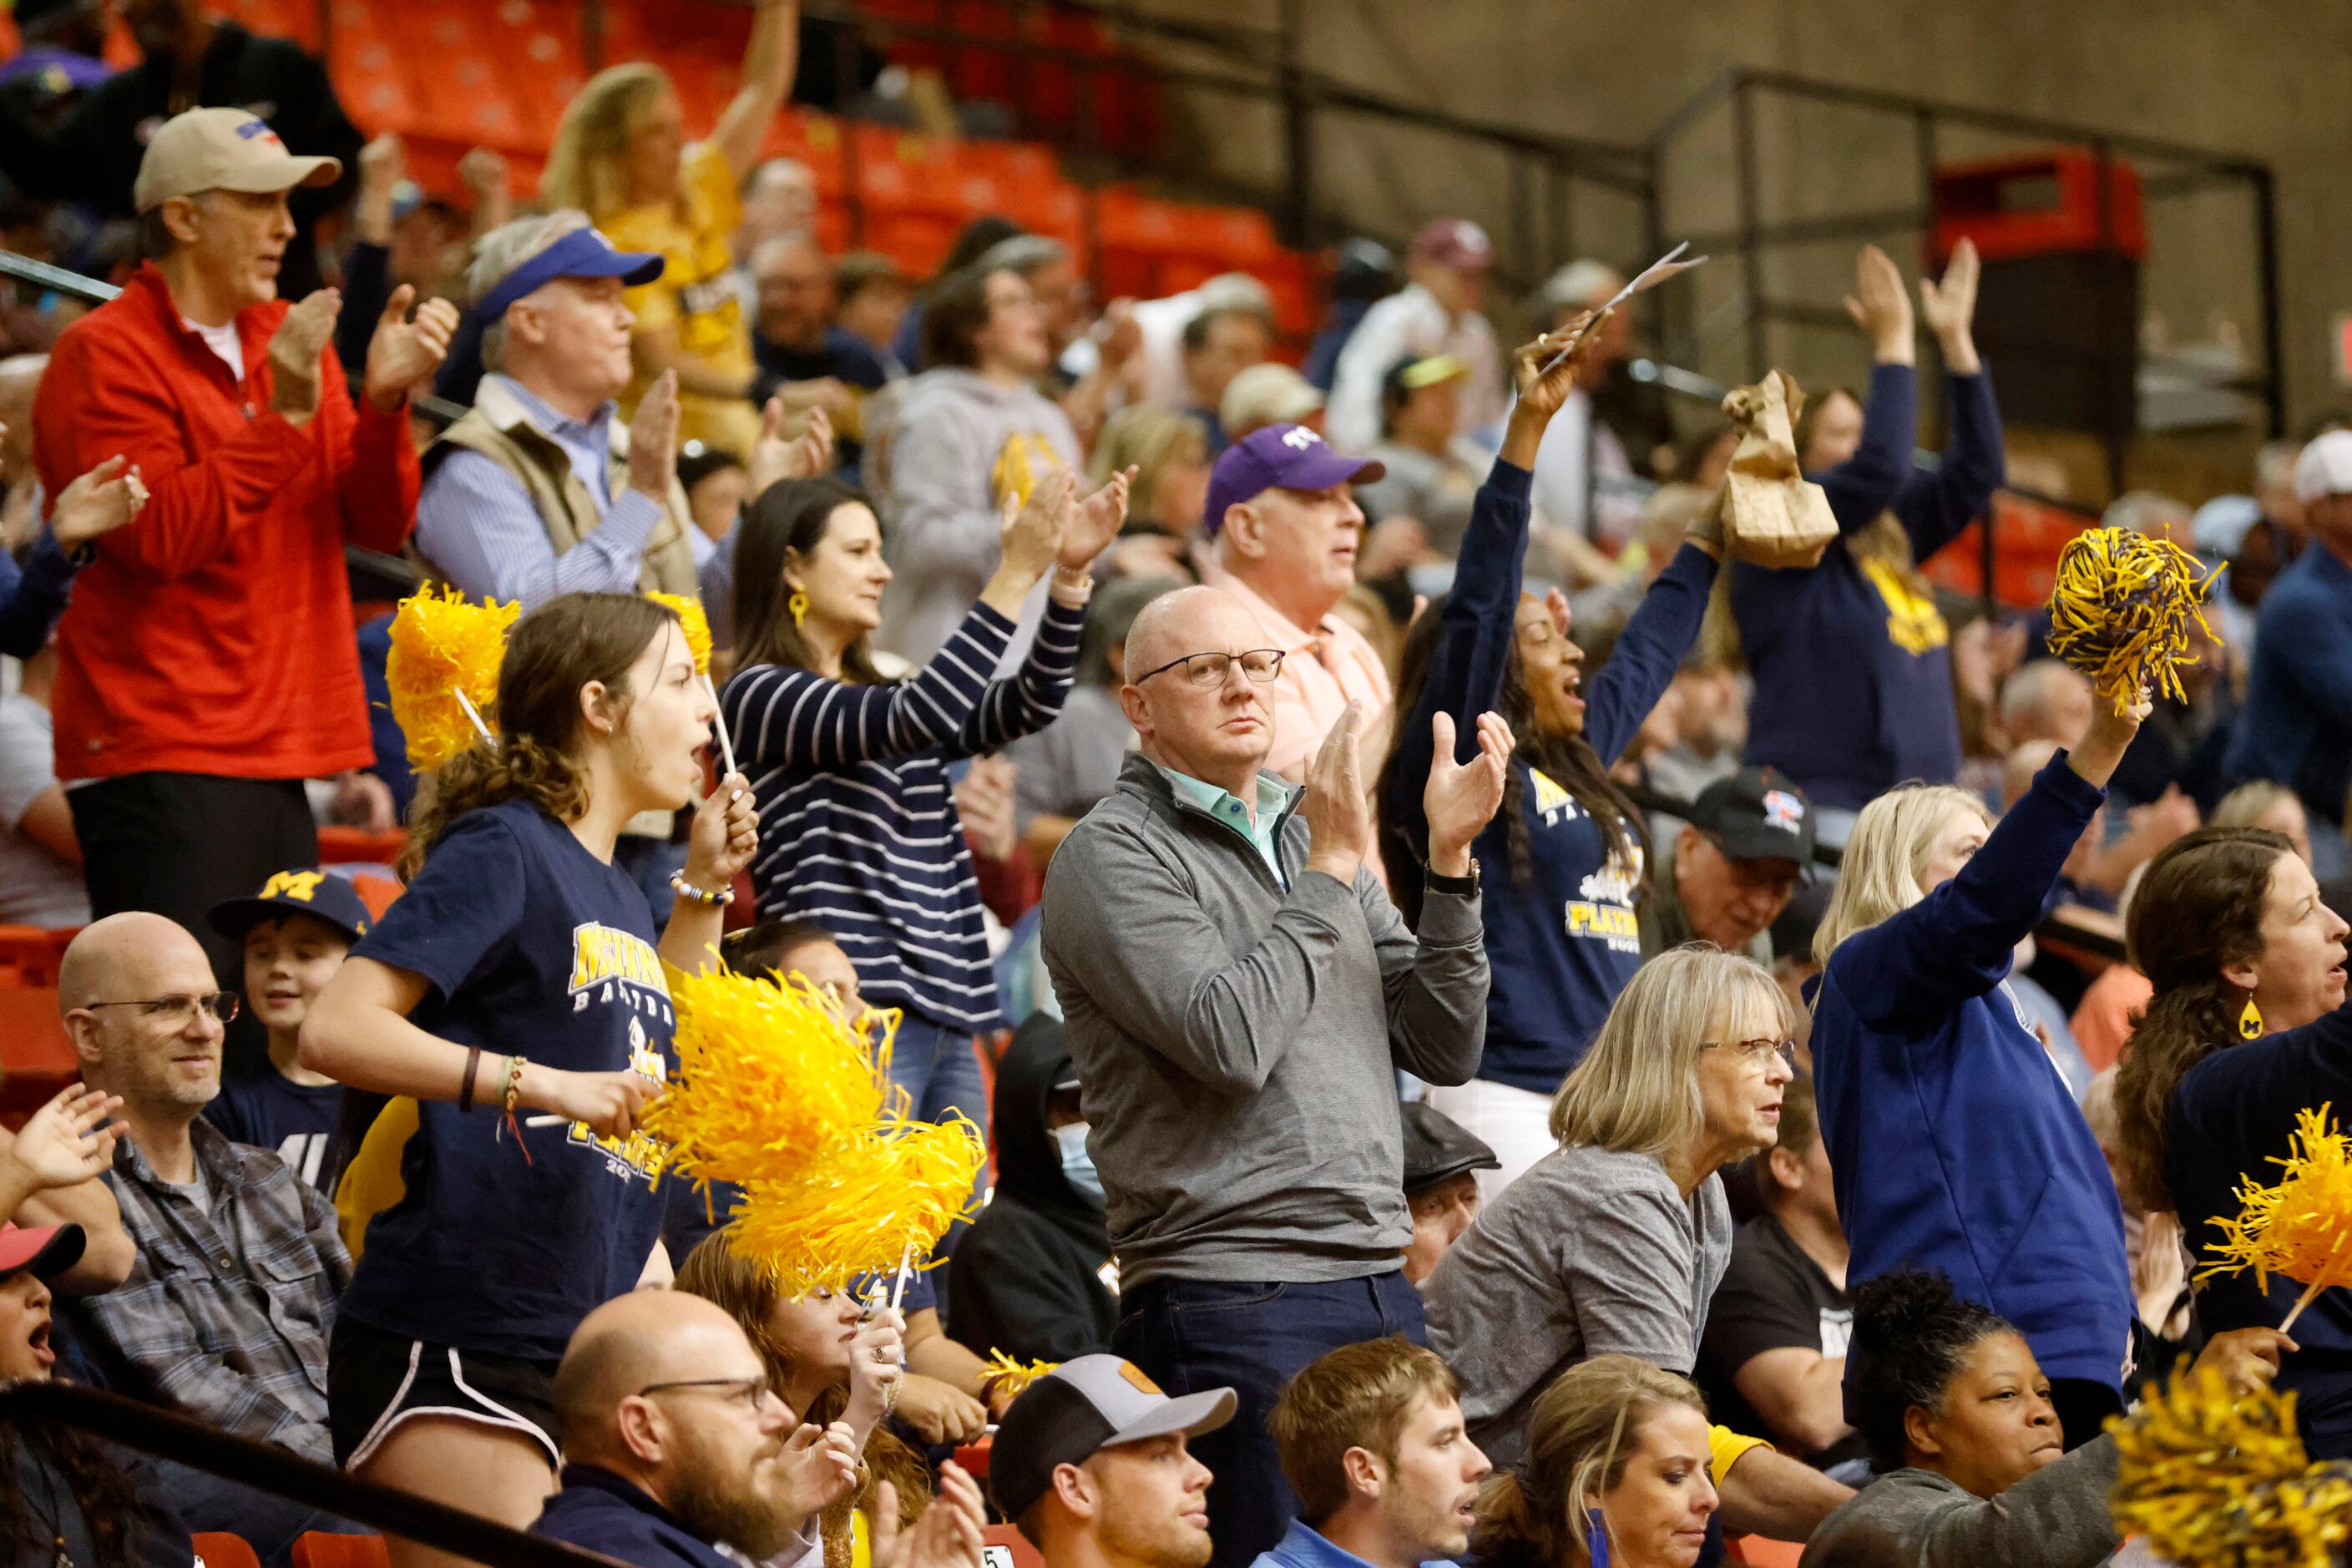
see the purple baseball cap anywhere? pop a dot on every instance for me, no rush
(1288, 457)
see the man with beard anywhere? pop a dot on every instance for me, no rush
(676, 1446)
(1090, 1462)
(1373, 1443)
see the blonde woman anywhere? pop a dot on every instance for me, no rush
(1614, 1241)
(1170, 455)
(1617, 1459)
(622, 157)
(1955, 1143)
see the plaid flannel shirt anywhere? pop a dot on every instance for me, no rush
(239, 1344)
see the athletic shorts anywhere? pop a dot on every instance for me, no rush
(375, 1381)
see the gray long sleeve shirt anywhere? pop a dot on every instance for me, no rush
(1236, 1035)
(2055, 1518)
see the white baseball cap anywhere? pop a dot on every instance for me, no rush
(2325, 466)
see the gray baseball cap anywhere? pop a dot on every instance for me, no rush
(1094, 1402)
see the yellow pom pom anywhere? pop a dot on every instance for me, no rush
(442, 646)
(1004, 1375)
(2121, 608)
(863, 1207)
(2215, 1481)
(696, 625)
(2302, 1227)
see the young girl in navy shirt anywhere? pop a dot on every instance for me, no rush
(1563, 860)
(520, 974)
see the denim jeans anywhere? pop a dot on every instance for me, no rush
(1189, 1335)
(938, 1068)
(269, 1524)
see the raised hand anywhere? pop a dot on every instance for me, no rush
(62, 1142)
(776, 456)
(403, 354)
(1950, 308)
(1338, 815)
(1542, 391)
(877, 1365)
(2109, 736)
(1460, 798)
(724, 834)
(1033, 531)
(98, 502)
(947, 1535)
(380, 173)
(294, 350)
(653, 439)
(1880, 306)
(1095, 523)
(940, 1412)
(820, 1468)
(2247, 1358)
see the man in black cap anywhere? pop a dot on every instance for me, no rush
(294, 934)
(1440, 1157)
(1734, 868)
(1090, 1463)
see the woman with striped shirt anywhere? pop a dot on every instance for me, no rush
(859, 832)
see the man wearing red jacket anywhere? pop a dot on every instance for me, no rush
(207, 661)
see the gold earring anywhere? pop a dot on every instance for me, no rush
(798, 605)
(2250, 1022)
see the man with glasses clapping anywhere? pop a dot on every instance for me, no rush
(227, 1311)
(1239, 992)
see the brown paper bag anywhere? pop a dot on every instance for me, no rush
(1772, 515)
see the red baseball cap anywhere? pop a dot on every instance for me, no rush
(1454, 242)
(48, 1250)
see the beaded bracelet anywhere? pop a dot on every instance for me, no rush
(703, 896)
(512, 1096)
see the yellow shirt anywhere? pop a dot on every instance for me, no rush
(694, 296)
(1726, 1448)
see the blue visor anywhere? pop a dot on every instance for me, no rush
(583, 253)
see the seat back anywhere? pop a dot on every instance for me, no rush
(219, 1549)
(317, 1549)
(1003, 1546)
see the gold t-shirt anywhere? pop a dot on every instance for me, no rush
(694, 296)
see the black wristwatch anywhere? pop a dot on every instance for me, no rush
(1460, 887)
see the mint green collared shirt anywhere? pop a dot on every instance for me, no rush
(1273, 798)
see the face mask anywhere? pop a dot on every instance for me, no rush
(1078, 1165)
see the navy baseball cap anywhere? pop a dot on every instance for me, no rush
(1091, 1402)
(319, 894)
(583, 253)
(1287, 457)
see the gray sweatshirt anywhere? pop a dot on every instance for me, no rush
(2055, 1518)
(1238, 1040)
(960, 442)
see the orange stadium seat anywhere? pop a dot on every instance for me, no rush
(29, 955)
(219, 1549)
(316, 1548)
(36, 1060)
(1003, 1546)
(294, 19)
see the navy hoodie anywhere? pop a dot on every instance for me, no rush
(1562, 946)
(2231, 1116)
(603, 1513)
(1854, 674)
(1954, 1142)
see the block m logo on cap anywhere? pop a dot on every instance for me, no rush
(300, 885)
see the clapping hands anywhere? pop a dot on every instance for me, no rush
(63, 1142)
(1460, 798)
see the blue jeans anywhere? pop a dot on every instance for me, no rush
(269, 1524)
(1189, 1335)
(937, 1067)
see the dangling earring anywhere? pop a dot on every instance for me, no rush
(2250, 1022)
(1599, 1538)
(798, 605)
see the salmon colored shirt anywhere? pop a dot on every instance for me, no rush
(2103, 1019)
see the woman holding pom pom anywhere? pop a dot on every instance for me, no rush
(2247, 1027)
(858, 830)
(1954, 1142)
(518, 974)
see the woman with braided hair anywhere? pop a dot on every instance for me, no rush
(520, 974)
(2247, 1027)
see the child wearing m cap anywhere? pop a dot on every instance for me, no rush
(295, 933)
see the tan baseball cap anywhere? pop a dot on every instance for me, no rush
(222, 150)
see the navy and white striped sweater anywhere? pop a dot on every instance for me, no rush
(858, 829)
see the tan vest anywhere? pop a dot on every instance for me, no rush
(497, 427)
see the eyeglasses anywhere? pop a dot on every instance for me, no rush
(1207, 670)
(180, 1011)
(751, 1393)
(1756, 1053)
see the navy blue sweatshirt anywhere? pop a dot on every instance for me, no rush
(2232, 1114)
(33, 597)
(1954, 1142)
(603, 1513)
(1561, 947)
(1854, 677)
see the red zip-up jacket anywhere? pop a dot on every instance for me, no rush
(214, 635)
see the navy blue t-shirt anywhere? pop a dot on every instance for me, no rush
(532, 944)
(269, 1111)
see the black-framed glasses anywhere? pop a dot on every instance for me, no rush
(180, 1010)
(1207, 670)
(1756, 1053)
(751, 1393)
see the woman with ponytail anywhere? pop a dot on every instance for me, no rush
(515, 994)
(1566, 851)
(2247, 1027)
(1616, 1472)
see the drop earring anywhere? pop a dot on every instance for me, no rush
(2250, 1022)
(798, 605)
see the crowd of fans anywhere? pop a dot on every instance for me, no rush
(1507, 1032)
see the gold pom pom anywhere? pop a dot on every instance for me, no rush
(445, 654)
(1004, 1375)
(864, 1207)
(2302, 1227)
(694, 622)
(2121, 608)
(2215, 1481)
